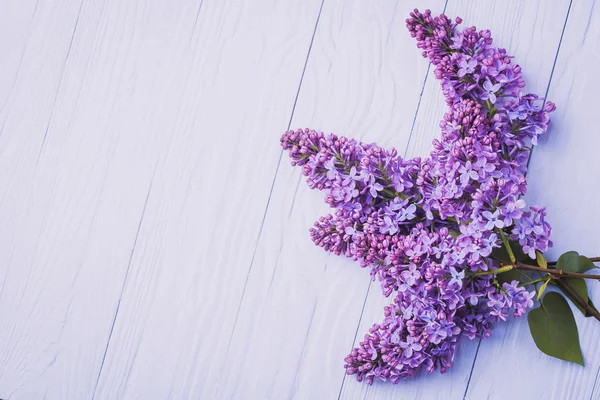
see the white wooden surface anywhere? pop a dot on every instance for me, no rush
(153, 240)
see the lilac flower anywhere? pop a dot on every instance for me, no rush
(457, 277)
(457, 41)
(473, 299)
(352, 231)
(404, 212)
(411, 275)
(484, 168)
(532, 231)
(493, 220)
(331, 169)
(374, 187)
(467, 66)
(487, 245)
(411, 345)
(467, 172)
(435, 332)
(511, 212)
(388, 226)
(490, 91)
(518, 113)
(518, 297)
(423, 226)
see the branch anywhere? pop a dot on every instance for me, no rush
(578, 299)
(558, 273)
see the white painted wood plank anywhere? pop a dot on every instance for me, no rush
(182, 109)
(208, 199)
(563, 176)
(34, 42)
(91, 110)
(19, 27)
(298, 316)
(530, 31)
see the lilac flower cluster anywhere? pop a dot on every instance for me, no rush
(424, 227)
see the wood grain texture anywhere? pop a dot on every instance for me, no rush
(153, 239)
(237, 86)
(76, 179)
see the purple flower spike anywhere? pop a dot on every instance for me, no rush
(424, 226)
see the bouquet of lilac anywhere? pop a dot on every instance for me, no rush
(448, 237)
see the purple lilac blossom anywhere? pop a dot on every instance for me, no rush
(423, 225)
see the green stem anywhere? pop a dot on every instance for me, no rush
(511, 255)
(538, 280)
(524, 274)
(492, 271)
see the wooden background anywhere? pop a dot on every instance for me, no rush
(153, 239)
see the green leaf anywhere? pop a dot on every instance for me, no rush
(542, 289)
(500, 253)
(580, 287)
(571, 261)
(541, 260)
(554, 330)
(454, 234)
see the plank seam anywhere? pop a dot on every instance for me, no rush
(356, 335)
(417, 111)
(273, 182)
(598, 372)
(552, 72)
(62, 75)
(472, 369)
(112, 327)
(196, 21)
(295, 385)
(410, 135)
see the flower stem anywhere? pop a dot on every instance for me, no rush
(492, 271)
(578, 299)
(511, 255)
(537, 280)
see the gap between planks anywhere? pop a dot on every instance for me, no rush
(262, 223)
